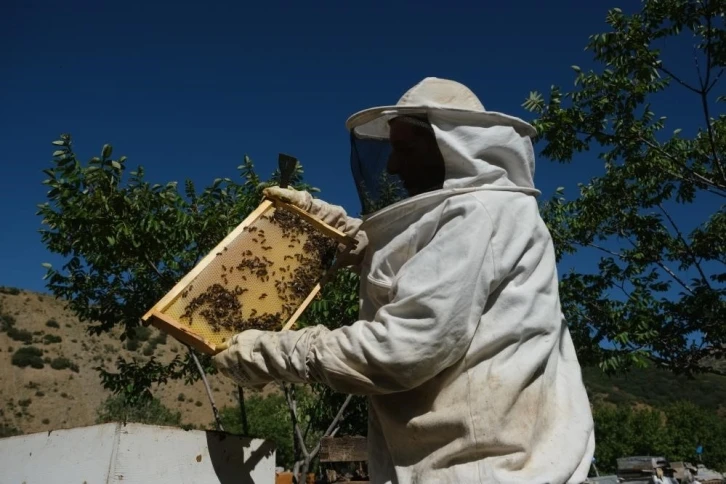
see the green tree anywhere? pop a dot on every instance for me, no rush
(126, 243)
(658, 293)
(689, 426)
(621, 431)
(673, 431)
(269, 417)
(151, 412)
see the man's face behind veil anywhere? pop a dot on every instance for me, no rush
(415, 157)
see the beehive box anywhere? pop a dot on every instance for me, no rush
(261, 276)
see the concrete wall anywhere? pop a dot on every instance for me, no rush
(135, 453)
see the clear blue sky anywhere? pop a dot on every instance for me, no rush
(186, 89)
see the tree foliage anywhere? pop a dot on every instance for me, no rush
(150, 412)
(269, 418)
(656, 213)
(673, 431)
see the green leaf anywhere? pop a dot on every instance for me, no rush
(47, 265)
(576, 68)
(106, 151)
(116, 165)
(60, 143)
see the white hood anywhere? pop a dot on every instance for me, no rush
(483, 156)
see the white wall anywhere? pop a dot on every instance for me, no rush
(135, 453)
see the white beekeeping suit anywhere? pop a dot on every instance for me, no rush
(461, 345)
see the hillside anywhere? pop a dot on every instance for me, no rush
(33, 400)
(656, 388)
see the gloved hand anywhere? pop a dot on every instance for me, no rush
(300, 199)
(333, 215)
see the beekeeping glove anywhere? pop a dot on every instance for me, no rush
(333, 215)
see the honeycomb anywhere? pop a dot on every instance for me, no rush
(256, 280)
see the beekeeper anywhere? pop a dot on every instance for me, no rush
(461, 345)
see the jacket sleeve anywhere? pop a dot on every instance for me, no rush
(436, 303)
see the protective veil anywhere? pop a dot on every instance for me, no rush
(461, 345)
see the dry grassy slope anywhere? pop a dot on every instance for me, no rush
(63, 398)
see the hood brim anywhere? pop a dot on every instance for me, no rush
(372, 123)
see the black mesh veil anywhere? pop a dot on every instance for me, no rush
(376, 187)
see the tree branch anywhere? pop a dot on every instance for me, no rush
(217, 419)
(718, 76)
(307, 457)
(657, 262)
(704, 96)
(332, 427)
(153, 266)
(668, 270)
(683, 165)
(677, 79)
(292, 406)
(607, 251)
(686, 245)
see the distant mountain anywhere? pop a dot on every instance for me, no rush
(655, 387)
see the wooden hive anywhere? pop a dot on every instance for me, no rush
(261, 276)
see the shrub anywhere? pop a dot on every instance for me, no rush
(198, 404)
(148, 350)
(28, 356)
(39, 394)
(6, 430)
(25, 402)
(46, 421)
(132, 344)
(52, 323)
(13, 291)
(180, 397)
(51, 338)
(6, 322)
(62, 363)
(268, 418)
(142, 333)
(159, 339)
(20, 335)
(115, 409)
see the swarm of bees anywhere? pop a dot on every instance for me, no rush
(220, 305)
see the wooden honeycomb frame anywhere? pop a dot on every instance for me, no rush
(244, 242)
